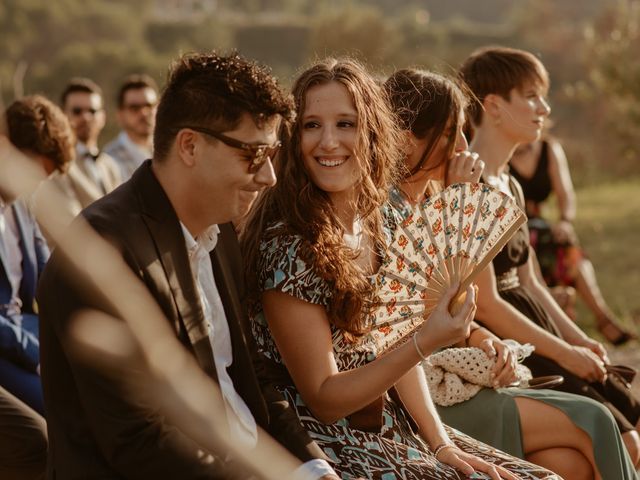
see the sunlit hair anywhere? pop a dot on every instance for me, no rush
(37, 125)
(136, 81)
(79, 85)
(498, 70)
(307, 211)
(216, 91)
(427, 103)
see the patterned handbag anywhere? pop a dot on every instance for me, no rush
(455, 375)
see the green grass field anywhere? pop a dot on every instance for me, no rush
(608, 226)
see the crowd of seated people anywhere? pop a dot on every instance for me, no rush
(255, 220)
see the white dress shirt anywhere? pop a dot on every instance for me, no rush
(137, 152)
(12, 254)
(241, 421)
(88, 159)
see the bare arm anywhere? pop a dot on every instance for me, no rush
(302, 334)
(569, 330)
(507, 322)
(414, 393)
(561, 181)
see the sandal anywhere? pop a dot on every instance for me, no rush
(614, 333)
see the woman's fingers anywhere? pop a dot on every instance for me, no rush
(468, 463)
(465, 167)
(453, 457)
(488, 346)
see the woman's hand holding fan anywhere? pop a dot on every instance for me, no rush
(444, 327)
(446, 241)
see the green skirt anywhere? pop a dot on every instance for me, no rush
(492, 417)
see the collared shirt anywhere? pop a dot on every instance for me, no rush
(88, 158)
(12, 255)
(138, 153)
(241, 421)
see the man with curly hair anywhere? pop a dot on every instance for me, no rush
(39, 129)
(215, 137)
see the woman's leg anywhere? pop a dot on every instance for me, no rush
(632, 442)
(566, 462)
(548, 435)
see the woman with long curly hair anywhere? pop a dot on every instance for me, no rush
(313, 242)
(430, 109)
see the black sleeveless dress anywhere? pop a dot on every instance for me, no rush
(559, 261)
(613, 393)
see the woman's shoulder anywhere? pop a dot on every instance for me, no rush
(286, 266)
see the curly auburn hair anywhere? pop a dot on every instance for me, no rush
(37, 125)
(215, 91)
(306, 210)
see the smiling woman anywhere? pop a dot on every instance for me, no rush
(313, 242)
(328, 139)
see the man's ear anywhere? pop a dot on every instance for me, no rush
(186, 146)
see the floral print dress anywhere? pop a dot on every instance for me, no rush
(392, 451)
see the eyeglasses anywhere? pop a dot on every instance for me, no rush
(77, 111)
(138, 107)
(259, 153)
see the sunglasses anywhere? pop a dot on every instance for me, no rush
(259, 153)
(80, 110)
(138, 107)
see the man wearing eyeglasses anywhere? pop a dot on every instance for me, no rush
(81, 101)
(137, 101)
(215, 138)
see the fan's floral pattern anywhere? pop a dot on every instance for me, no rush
(448, 236)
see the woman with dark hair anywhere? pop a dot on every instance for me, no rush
(313, 241)
(510, 87)
(430, 110)
(541, 169)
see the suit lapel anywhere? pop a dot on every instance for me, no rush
(29, 261)
(167, 235)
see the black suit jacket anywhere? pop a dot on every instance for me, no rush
(95, 430)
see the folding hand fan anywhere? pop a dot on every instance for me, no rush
(449, 238)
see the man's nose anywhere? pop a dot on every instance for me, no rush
(266, 176)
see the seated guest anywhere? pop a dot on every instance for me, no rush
(532, 424)
(41, 132)
(510, 86)
(312, 242)
(215, 134)
(541, 168)
(137, 100)
(81, 101)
